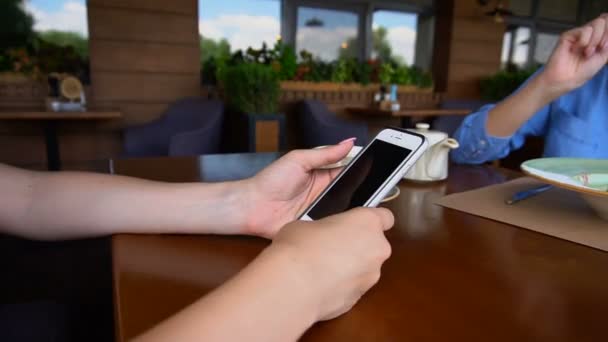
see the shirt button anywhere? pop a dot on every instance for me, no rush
(482, 143)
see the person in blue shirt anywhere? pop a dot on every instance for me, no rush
(566, 102)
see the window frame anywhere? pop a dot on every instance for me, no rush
(538, 24)
(364, 9)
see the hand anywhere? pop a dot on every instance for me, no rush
(338, 258)
(284, 189)
(579, 55)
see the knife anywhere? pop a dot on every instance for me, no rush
(522, 195)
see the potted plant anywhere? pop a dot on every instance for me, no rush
(252, 91)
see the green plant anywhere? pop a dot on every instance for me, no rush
(402, 75)
(385, 73)
(16, 25)
(19, 61)
(312, 69)
(503, 83)
(342, 71)
(421, 78)
(286, 63)
(251, 88)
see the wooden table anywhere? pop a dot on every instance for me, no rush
(50, 120)
(406, 114)
(452, 276)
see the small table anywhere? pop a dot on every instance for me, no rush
(406, 114)
(451, 277)
(50, 120)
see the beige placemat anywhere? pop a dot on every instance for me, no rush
(556, 212)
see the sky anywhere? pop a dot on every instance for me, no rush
(64, 15)
(247, 23)
(243, 23)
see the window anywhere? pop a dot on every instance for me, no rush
(545, 43)
(394, 36)
(516, 45)
(327, 34)
(45, 36)
(228, 26)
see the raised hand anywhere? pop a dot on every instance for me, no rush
(579, 55)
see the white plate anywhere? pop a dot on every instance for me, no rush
(585, 176)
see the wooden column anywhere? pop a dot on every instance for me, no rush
(144, 55)
(468, 47)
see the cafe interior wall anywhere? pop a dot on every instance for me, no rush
(144, 54)
(138, 66)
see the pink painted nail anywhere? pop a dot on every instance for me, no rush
(347, 140)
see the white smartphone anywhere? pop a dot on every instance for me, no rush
(373, 172)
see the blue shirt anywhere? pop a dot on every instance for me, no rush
(574, 125)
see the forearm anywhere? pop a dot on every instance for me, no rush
(267, 301)
(510, 114)
(77, 205)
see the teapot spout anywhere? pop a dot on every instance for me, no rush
(450, 143)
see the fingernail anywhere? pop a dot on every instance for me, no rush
(345, 141)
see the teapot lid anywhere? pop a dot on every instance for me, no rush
(433, 137)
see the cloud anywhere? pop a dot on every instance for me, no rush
(241, 30)
(403, 42)
(72, 16)
(324, 42)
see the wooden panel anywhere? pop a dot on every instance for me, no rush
(43, 115)
(470, 71)
(145, 57)
(463, 90)
(119, 24)
(478, 29)
(477, 52)
(137, 113)
(442, 43)
(174, 6)
(471, 8)
(89, 145)
(141, 87)
(267, 136)
(16, 149)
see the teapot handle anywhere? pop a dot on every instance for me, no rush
(436, 175)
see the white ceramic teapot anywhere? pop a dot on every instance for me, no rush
(433, 165)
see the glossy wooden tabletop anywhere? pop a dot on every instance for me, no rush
(452, 276)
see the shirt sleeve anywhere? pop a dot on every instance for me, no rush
(477, 146)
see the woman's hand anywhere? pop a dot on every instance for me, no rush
(338, 258)
(579, 55)
(284, 189)
(312, 271)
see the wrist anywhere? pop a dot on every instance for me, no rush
(546, 90)
(296, 277)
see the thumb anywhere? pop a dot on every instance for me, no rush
(316, 158)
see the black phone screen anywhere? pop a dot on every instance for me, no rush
(361, 180)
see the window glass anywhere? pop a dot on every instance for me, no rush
(506, 48)
(521, 46)
(394, 36)
(545, 43)
(327, 34)
(45, 36)
(228, 26)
